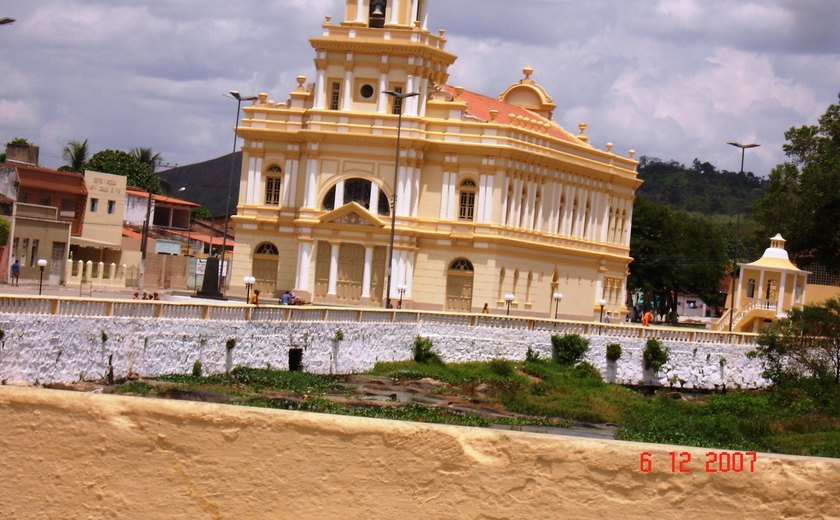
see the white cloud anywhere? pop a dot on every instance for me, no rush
(674, 79)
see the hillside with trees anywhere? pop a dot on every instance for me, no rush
(700, 188)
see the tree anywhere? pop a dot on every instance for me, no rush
(803, 195)
(805, 344)
(4, 231)
(201, 213)
(674, 253)
(139, 174)
(146, 156)
(76, 155)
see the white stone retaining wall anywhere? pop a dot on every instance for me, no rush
(47, 349)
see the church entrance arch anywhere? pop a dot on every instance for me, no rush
(350, 273)
(459, 286)
(264, 267)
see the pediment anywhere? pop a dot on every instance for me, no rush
(353, 214)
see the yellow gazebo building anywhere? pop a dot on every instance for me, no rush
(767, 289)
(494, 201)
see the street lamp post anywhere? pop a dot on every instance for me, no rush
(249, 282)
(42, 263)
(558, 297)
(239, 99)
(397, 96)
(401, 289)
(508, 300)
(144, 237)
(743, 148)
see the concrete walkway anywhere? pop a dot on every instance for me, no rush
(30, 288)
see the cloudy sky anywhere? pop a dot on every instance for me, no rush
(674, 79)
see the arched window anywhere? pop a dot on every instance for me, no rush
(461, 264)
(358, 191)
(273, 184)
(466, 209)
(266, 248)
(574, 217)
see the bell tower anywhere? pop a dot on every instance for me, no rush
(381, 14)
(382, 45)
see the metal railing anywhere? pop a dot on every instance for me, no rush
(63, 306)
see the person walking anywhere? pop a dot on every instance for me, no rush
(16, 273)
(646, 318)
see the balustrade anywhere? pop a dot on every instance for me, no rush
(32, 305)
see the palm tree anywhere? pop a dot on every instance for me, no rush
(76, 155)
(145, 156)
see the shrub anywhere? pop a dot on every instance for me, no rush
(531, 356)
(586, 370)
(423, 352)
(339, 335)
(613, 352)
(654, 355)
(501, 367)
(231, 343)
(568, 349)
(196, 371)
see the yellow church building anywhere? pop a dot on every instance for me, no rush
(495, 203)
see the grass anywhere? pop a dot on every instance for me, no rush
(793, 420)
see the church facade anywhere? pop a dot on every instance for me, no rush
(494, 202)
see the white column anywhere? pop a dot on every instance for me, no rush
(804, 288)
(628, 224)
(504, 216)
(485, 191)
(516, 214)
(568, 209)
(410, 108)
(781, 290)
(367, 272)
(603, 229)
(409, 273)
(302, 277)
(335, 249)
(311, 186)
(347, 89)
(531, 207)
(374, 198)
(554, 217)
(360, 10)
(339, 194)
(250, 183)
(423, 97)
(320, 102)
(581, 214)
(289, 182)
(382, 103)
(395, 10)
(762, 294)
(415, 195)
(445, 196)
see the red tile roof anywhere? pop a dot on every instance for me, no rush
(46, 179)
(160, 198)
(479, 106)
